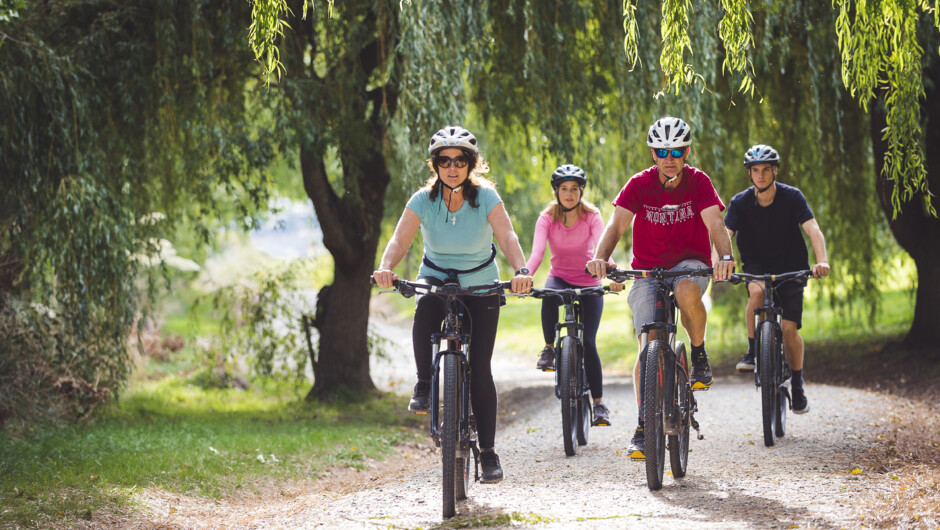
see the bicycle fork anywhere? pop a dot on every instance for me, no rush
(467, 423)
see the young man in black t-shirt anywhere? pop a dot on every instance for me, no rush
(767, 218)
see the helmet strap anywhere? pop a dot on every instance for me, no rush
(767, 187)
(566, 210)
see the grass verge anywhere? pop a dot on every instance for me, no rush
(180, 438)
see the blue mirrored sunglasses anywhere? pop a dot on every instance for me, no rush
(676, 153)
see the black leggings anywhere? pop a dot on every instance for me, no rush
(591, 309)
(481, 316)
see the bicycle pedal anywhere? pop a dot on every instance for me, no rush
(421, 413)
(700, 387)
(637, 456)
(600, 423)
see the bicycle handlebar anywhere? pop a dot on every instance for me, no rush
(596, 290)
(739, 277)
(407, 288)
(660, 273)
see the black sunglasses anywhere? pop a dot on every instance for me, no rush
(445, 161)
(676, 153)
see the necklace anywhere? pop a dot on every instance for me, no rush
(453, 218)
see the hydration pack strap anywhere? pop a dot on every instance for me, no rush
(455, 272)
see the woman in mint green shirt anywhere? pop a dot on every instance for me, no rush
(459, 213)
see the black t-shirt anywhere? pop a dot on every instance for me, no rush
(769, 237)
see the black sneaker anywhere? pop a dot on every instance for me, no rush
(546, 360)
(746, 364)
(800, 404)
(601, 415)
(492, 472)
(701, 372)
(637, 449)
(421, 399)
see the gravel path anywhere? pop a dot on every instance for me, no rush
(733, 481)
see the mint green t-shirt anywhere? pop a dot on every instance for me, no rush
(458, 240)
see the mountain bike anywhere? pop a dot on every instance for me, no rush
(771, 371)
(571, 384)
(453, 427)
(666, 397)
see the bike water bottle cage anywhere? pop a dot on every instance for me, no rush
(454, 272)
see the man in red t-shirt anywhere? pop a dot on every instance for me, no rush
(676, 216)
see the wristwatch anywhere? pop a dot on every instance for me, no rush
(523, 271)
(726, 257)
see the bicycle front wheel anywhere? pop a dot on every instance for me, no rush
(568, 381)
(449, 431)
(654, 403)
(782, 403)
(679, 443)
(767, 367)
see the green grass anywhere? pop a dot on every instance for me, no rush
(171, 435)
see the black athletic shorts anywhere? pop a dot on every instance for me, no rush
(789, 297)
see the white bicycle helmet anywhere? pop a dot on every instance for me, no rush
(668, 133)
(568, 172)
(453, 136)
(761, 154)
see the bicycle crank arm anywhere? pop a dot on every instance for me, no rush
(698, 434)
(476, 461)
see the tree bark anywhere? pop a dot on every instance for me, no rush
(917, 232)
(351, 227)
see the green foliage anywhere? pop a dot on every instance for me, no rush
(879, 45)
(630, 43)
(117, 115)
(675, 38)
(267, 26)
(261, 324)
(735, 31)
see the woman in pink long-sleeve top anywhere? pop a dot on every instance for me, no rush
(571, 227)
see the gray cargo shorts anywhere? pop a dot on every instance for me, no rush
(642, 293)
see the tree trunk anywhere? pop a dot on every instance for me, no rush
(916, 231)
(351, 228)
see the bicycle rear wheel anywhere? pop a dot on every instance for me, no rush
(767, 366)
(654, 403)
(449, 430)
(679, 444)
(568, 381)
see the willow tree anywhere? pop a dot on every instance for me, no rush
(882, 46)
(367, 82)
(118, 120)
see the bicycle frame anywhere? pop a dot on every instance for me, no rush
(574, 328)
(768, 312)
(667, 409)
(458, 437)
(771, 369)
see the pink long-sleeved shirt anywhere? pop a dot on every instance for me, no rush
(571, 247)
